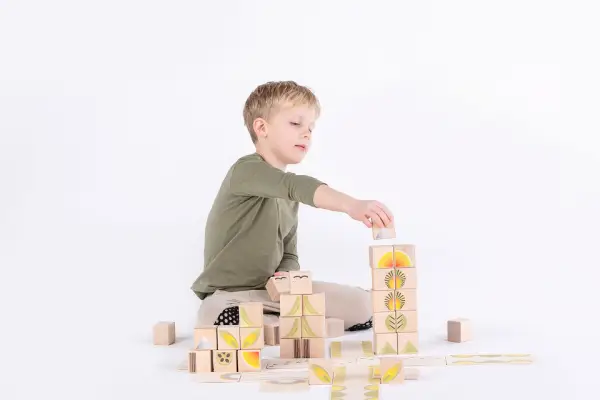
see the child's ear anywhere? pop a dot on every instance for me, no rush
(260, 128)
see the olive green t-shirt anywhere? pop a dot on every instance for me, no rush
(251, 228)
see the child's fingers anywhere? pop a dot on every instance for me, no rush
(376, 219)
(384, 209)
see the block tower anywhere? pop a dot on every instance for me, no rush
(230, 348)
(302, 324)
(394, 297)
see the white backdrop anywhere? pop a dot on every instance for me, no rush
(475, 122)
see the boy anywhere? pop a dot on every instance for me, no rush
(251, 228)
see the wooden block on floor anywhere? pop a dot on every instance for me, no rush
(228, 337)
(404, 255)
(164, 333)
(320, 371)
(278, 285)
(489, 359)
(301, 282)
(408, 342)
(459, 330)
(395, 321)
(290, 327)
(200, 361)
(251, 314)
(312, 347)
(388, 232)
(205, 337)
(406, 278)
(409, 373)
(392, 370)
(225, 360)
(313, 326)
(351, 348)
(290, 348)
(252, 338)
(313, 304)
(290, 305)
(249, 360)
(381, 256)
(386, 343)
(272, 334)
(335, 327)
(383, 279)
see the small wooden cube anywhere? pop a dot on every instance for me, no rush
(320, 371)
(386, 343)
(225, 360)
(313, 347)
(272, 334)
(314, 326)
(406, 278)
(335, 327)
(228, 337)
(381, 256)
(301, 282)
(290, 348)
(252, 338)
(392, 370)
(164, 333)
(459, 330)
(249, 360)
(383, 279)
(408, 342)
(205, 337)
(290, 305)
(404, 255)
(278, 285)
(388, 232)
(384, 300)
(406, 321)
(200, 361)
(290, 327)
(251, 314)
(313, 304)
(395, 321)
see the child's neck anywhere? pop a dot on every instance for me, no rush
(270, 158)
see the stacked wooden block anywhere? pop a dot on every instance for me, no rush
(230, 348)
(394, 296)
(302, 324)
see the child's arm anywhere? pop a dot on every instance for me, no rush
(289, 262)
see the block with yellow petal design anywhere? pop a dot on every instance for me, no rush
(290, 327)
(391, 370)
(381, 256)
(252, 338)
(228, 337)
(290, 305)
(314, 326)
(320, 371)
(249, 360)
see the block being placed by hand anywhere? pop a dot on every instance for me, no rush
(313, 304)
(251, 314)
(278, 285)
(301, 282)
(459, 330)
(388, 232)
(164, 333)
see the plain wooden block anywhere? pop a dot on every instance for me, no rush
(395, 321)
(383, 279)
(200, 361)
(459, 330)
(392, 370)
(225, 361)
(335, 327)
(290, 327)
(249, 360)
(164, 333)
(404, 255)
(314, 326)
(252, 338)
(408, 342)
(313, 304)
(205, 337)
(272, 334)
(406, 278)
(290, 305)
(388, 232)
(278, 285)
(320, 371)
(228, 337)
(290, 348)
(312, 347)
(381, 256)
(301, 282)
(251, 314)
(386, 343)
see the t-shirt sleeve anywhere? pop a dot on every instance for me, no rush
(257, 178)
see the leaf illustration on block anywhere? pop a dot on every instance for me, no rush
(409, 348)
(251, 338)
(336, 349)
(400, 279)
(388, 349)
(367, 347)
(321, 373)
(389, 280)
(306, 329)
(295, 307)
(230, 339)
(391, 373)
(308, 308)
(294, 329)
(245, 318)
(395, 323)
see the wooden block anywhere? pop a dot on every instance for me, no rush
(386, 343)
(404, 255)
(312, 347)
(228, 337)
(406, 278)
(271, 333)
(335, 327)
(320, 371)
(225, 360)
(388, 232)
(313, 326)
(459, 330)
(313, 304)
(290, 327)
(290, 305)
(251, 314)
(249, 360)
(409, 373)
(164, 333)
(278, 285)
(392, 300)
(301, 282)
(392, 370)
(290, 348)
(205, 337)
(381, 256)
(200, 361)
(395, 321)
(351, 348)
(489, 359)
(383, 279)
(252, 338)
(408, 342)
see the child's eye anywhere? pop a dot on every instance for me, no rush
(295, 123)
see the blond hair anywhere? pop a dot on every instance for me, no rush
(268, 96)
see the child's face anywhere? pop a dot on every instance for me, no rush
(288, 133)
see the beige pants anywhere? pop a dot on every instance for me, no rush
(349, 303)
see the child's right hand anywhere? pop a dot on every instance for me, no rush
(371, 212)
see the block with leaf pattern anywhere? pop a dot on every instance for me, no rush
(252, 338)
(228, 337)
(314, 326)
(320, 371)
(251, 314)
